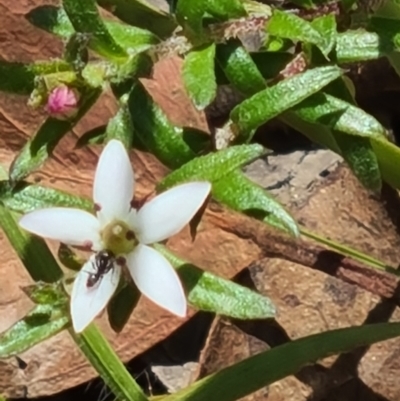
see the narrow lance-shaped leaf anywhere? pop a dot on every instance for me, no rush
(190, 13)
(33, 251)
(86, 19)
(42, 293)
(121, 306)
(40, 147)
(24, 198)
(199, 76)
(290, 26)
(142, 14)
(211, 293)
(226, 9)
(339, 115)
(326, 26)
(273, 101)
(214, 166)
(20, 78)
(265, 368)
(239, 68)
(239, 193)
(362, 160)
(329, 121)
(54, 19)
(359, 45)
(170, 144)
(43, 322)
(120, 127)
(317, 133)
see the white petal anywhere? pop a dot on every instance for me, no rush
(168, 213)
(88, 302)
(71, 226)
(113, 182)
(156, 279)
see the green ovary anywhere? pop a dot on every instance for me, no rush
(118, 238)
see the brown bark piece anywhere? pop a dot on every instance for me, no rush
(311, 301)
(344, 211)
(167, 89)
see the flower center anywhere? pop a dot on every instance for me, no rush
(118, 238)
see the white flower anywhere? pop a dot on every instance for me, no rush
(119, 228)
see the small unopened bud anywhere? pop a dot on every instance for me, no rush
(62, 102)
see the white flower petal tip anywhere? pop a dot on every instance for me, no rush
(88, 302)
(113, 182)
(157, 280)
(166, 214)
(70, 226)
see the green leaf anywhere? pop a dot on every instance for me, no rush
(267, 367)
(69, 258)
(290, 26)
(121, 306)
(388, 30)
(43, 322)
(24, 198)
(20, 78)
(33, 251)
(86, 19)
(41, 145)
(339, 115)
(211, 293)
(315, 132)
(170, 144)
(190, 13)
(131, 38)
(54, 19)
(388, 155)
(239, 68)
(326, 26)
(42, 293)
(51, 19)
(239, 193)
(142, 14)
(225, 9)
(199, 76)
(213, 166)
(362, 160)
(272, 101)
(120, 127)
(381, 39)
(95, 136)
(359, 45)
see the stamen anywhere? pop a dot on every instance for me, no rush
(120, 261)
(97, 207)
(87, 245)
(130, 235)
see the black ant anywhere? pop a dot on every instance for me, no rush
(103, 262)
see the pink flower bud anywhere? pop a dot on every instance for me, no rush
(62, 102)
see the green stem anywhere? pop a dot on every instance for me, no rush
(351, 252)
(107, 363)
